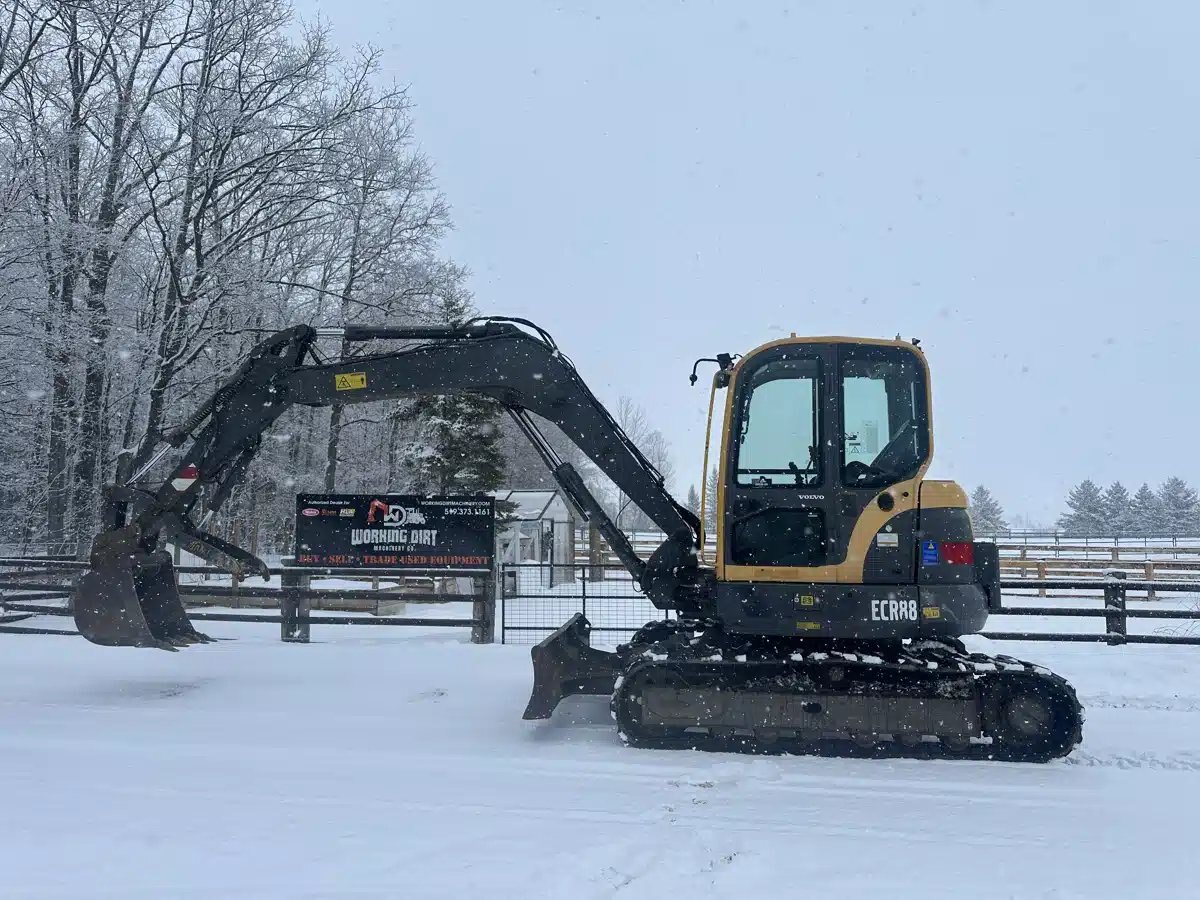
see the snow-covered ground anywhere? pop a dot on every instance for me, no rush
(393, 762)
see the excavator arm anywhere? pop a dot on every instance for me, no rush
(128, 596)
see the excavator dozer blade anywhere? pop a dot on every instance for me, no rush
(129, 603)
(565, 663)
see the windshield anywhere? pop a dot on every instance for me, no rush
(777, 427)
(885, 428)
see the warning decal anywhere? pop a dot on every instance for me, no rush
(350, 381)
(185, 478)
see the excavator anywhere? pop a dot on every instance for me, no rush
(828, 620)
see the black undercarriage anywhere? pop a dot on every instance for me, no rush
(688, 684)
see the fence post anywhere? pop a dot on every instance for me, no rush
(595, 552)
(583, 595)
(1114, 607)
(483, 609)
(1041, 572)
(1150, 577)
(294, 607)
(502, 595)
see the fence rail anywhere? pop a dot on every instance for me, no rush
(1032, 548)
(537, 598)
(23, 592)
(530, 610)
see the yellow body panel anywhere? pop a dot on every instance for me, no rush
(942, 495)
(850, 571)
(871, 521)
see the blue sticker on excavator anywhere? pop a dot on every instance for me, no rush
(929, 553)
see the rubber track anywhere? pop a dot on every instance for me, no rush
(690, 651)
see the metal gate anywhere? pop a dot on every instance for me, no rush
(536, 598)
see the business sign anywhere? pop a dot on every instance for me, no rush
(395, 531)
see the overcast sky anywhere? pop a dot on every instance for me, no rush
(1014, 183)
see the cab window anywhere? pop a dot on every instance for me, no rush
(778, 435)
(885, 425)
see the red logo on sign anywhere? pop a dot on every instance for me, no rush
(309, 511)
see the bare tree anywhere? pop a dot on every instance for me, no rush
(176, 178)
(391, 217)
(139, 43)
(654, 446)
(23, 36)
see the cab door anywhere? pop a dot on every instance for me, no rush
(883, 434)
(777, 510)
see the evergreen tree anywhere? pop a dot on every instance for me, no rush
(1180, 507)
(1085, 505)
(710, 502)
(1118, 509)
(693, 500)
(987, 515)
(1146, 512)
(456, 444)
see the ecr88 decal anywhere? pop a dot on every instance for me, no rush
(892, 610)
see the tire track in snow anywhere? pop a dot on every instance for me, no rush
(657, 816)
(726, 773)
(1174, 762)
(1148, 704)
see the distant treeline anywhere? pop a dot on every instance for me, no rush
(1171, 509)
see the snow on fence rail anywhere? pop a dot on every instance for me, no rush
(27, 584)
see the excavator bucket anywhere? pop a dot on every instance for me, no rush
(131, 600)
(565, 663)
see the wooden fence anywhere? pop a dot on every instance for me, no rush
(27, 586)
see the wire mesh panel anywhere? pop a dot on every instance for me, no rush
(538, 598)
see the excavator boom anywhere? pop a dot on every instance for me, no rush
(128, 597)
